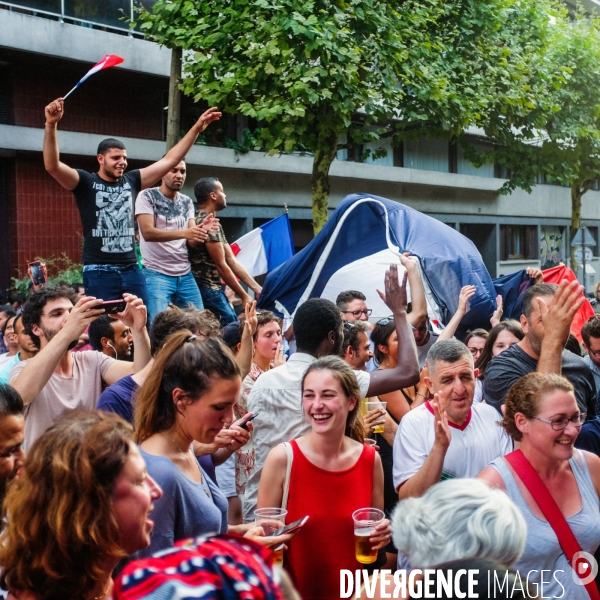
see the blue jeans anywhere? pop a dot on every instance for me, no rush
(110, 282)
(216, 302)
(163, 289)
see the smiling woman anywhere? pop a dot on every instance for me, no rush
(333, 474)
(542, 413)
(81, 504)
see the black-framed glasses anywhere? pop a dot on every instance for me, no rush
(594, 353)
(560, 424)
(357, 313)
(386, 321)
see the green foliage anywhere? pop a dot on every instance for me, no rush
(312, 71)
(60, 269)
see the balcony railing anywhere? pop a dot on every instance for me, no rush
(108, 15)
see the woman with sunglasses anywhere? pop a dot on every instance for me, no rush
(542, 414)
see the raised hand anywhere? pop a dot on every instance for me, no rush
(443, 435)
(54, 111)
(206, 118)
(466, 293)
(135, 314)
(558, 316)
(395, 292)
(497, 316)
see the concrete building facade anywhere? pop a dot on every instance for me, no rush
(43, 53)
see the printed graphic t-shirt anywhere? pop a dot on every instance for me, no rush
(170, 214)
(106, 211)
(203, 266)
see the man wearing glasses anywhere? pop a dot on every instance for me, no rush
(548, 311)
(353, 306)
(590, 333)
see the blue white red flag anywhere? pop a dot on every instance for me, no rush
(110, 60)
(360, 240)
(266, 247)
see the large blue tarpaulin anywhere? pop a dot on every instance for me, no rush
(361, 238)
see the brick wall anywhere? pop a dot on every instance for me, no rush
(113, 102)
(43, 216)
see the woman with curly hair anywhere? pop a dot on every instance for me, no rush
(549, 481)
(81, 504)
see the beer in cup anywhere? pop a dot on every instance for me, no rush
(272, 519)
(373, 406)
(365, 521)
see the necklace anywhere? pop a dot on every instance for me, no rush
(103, 595)
(196, 470)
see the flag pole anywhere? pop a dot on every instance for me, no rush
(65, 97)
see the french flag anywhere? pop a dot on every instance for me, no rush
(110, 60)
(266, 247)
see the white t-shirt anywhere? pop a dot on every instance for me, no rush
(61, 395)
(170, 214)
(478, 395)
(474, 445)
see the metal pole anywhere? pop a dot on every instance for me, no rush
(583, 259)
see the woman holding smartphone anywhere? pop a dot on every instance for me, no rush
(333, 473)
(189, 396)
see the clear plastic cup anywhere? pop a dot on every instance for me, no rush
(373, 406)
(272, 519)
(365, 521)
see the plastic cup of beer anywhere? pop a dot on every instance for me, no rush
(370, 442)
(272, 519)
(365, 521)
(378, 428)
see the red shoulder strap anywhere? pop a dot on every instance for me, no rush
(567, 540)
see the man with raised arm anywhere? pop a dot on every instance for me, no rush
(105, 201)
(56, 380)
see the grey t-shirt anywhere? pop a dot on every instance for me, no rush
(170, 214)
(62, 395)
(504, 370)
(185, 509)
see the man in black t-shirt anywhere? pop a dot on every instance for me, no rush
(548, 311)
(105, 201)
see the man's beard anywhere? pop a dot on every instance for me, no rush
(535, 341)
(49, 334)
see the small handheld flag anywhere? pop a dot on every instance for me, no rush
(110, 60)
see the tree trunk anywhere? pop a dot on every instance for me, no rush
(575, 219)
(174, 111)
(320, 178)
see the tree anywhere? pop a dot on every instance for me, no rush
(312, 72)
(559, 140)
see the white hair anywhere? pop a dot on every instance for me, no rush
(458, 519)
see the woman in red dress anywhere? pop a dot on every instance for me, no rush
(333, 474)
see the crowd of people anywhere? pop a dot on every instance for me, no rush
(161, 446)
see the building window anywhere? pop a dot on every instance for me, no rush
(552, 246)
(518, 242)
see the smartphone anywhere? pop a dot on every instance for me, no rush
(244, 423)
(37, 272)
(112, 307)
(289, 528)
